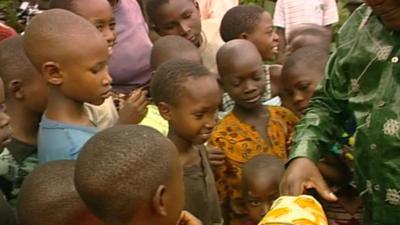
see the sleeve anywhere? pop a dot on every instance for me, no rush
(331, 14)
(279, 14)
(321, 125)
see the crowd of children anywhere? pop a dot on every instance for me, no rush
(220, 131)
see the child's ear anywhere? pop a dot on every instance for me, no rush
(52, 73)
(244, 36)
(16, 88)
(196, 4)
(159, 201)
(165, 110)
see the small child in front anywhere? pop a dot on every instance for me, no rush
(48, 197)
(130, 175)
(75, 68)
(251, 128)
(261, 176)
(188, 95)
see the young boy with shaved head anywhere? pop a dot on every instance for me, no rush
(75, 68)
(48, 196)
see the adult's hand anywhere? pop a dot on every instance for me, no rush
(188, 219)
(303, 174)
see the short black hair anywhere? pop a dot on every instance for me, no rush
(14, 63)
(259, 166)
(166, 84)
(240, 19)
(62, 4)
(47, 188)
(53, 34)
(169, 47)
(151, 6)
(311, 58)
(120, 168)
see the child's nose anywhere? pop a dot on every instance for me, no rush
(184, 28)
(107, 78)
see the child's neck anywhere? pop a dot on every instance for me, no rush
(245, 113)
(181, 144)
(66, 110)
(188, 153)
(25, 123)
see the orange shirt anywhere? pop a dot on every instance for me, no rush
(240, 142)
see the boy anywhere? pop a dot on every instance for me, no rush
(166, 48)
(74, 74)
(373, 100)
(182, 18)
(251, 128)
(254, 24)
(188, 96)
(261, 176)
(48, 196)
(26, 99)
(131, 175)
(308, 35)
(301, 74)
(99, 13)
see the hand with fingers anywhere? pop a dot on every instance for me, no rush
(216, 156)
(134, 109)
(302, 174)
(188, 219)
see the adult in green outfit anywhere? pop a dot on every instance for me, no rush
(363, 79)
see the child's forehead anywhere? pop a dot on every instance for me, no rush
(177, 6)
(93, 8)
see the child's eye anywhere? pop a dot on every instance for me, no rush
(3, 107)
(112, 25)
(100, 27)
(304, 87)
(187, 15)
(255, 203)
(198, 115)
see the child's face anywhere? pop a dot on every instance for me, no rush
(299, 87)
(260, 196)
(5, 128)
(85, 76)
(179, 17)
(388, 11)
(245, 82)
(36, 93)
(195, 115)
(265, 38)
(99, 13)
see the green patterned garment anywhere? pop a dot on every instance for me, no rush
(363, 79)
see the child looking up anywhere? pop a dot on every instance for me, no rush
(99, 13)
(131, 175)
(188, 96)
(260, 186)
(75, 68)
(182, 18)
(254, 24)
(48, 196)
(251, 128)
(26, 99)
(166, 48)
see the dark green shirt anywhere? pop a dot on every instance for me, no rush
(363, 78)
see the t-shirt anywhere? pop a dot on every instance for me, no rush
(154, 120)
(211, 43)
(58, 141)
(291, 12)
(129, 64)
(16, 162)
(104, 115)
(200, 191)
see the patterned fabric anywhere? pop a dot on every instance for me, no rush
(362, 80)
(291, 12)
(300, 210)
(240, 142)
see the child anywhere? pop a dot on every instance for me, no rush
(182, 17)
(166, 48)
(254, 24)
(302, 73)
(74, 74)
(188, 95)
(131, 175)
(48, 196)
(261, 176)
(26, 99)
(99, 13)
(251, 128)
(308, 35)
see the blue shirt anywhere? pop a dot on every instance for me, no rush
(58, 141)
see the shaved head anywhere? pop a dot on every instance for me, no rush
(48, 196)
(235, 54)
(56, 35)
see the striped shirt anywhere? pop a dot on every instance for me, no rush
(291, 12)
